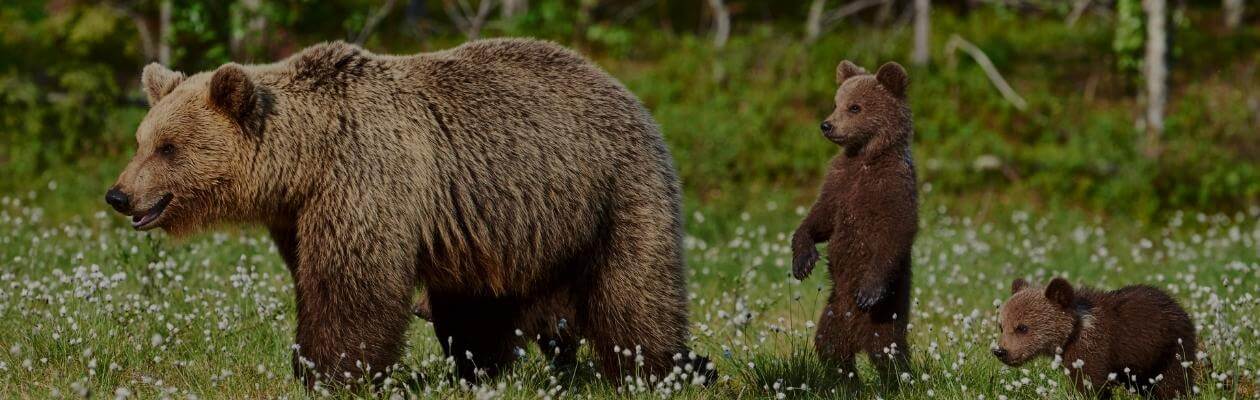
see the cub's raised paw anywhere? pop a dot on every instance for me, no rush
(803, 263)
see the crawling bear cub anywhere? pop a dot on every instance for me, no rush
(1136, 336)
(867, 212)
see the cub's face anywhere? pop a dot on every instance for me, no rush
(186, 159)
(867, 106)
(1033, 322)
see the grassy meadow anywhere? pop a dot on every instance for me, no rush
(90, 308)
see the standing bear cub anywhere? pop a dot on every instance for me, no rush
(867, 212)
(507, 177)
(1136, 336)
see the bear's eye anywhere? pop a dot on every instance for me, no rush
(1021, 329)
(854, 108)
(166, 149)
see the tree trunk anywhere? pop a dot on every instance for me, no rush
(1156, 70)
(164, 33)
(813, 24)
(512, 8)
(1233, 13)
(922, 30)
(721, 23)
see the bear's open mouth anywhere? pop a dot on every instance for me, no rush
(140, 220)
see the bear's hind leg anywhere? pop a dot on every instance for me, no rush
(477, 332)
(635, 303)
(885, 342)
(834, 343)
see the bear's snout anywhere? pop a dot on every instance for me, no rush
(827, 128)
(1000, 353)
(119, 200)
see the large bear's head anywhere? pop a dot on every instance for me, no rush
(871, 111)
(190, 157)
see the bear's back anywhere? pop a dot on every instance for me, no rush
(1144, 323)
(534, 147)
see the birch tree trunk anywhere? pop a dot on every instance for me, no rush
(164, 33)
(1156, 70)
(721, 23)
(922, 30)
(1233, 13)
(813, 24)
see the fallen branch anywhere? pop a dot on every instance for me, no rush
(958, 43)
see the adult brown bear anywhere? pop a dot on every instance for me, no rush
(498, 174)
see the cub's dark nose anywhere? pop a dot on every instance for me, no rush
(826, 127)
(999, 353)
(117, 199)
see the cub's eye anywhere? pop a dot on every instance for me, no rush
(854, 108)
(1021, 329)
(166, 149)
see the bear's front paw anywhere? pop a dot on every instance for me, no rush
(803, 263)
(868, 297)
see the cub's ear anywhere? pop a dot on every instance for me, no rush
(232, 92)
(158, 81)
(1060, 292)
(1018, 285)
(847, 70)
(894, 78)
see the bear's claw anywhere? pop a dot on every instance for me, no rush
(803, 264)
(867, 298)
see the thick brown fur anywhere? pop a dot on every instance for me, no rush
(867, 212)
(1138, 329)
(502, 175)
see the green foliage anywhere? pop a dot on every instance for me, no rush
(60, 92)
(1129, 35)
(741, 120)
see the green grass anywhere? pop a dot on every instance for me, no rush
(90, 306)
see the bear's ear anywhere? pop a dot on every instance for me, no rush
(1018, 285)
(232, 91)
(847, 70)
(1060, 292)
(894, 78)
(158, 81)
